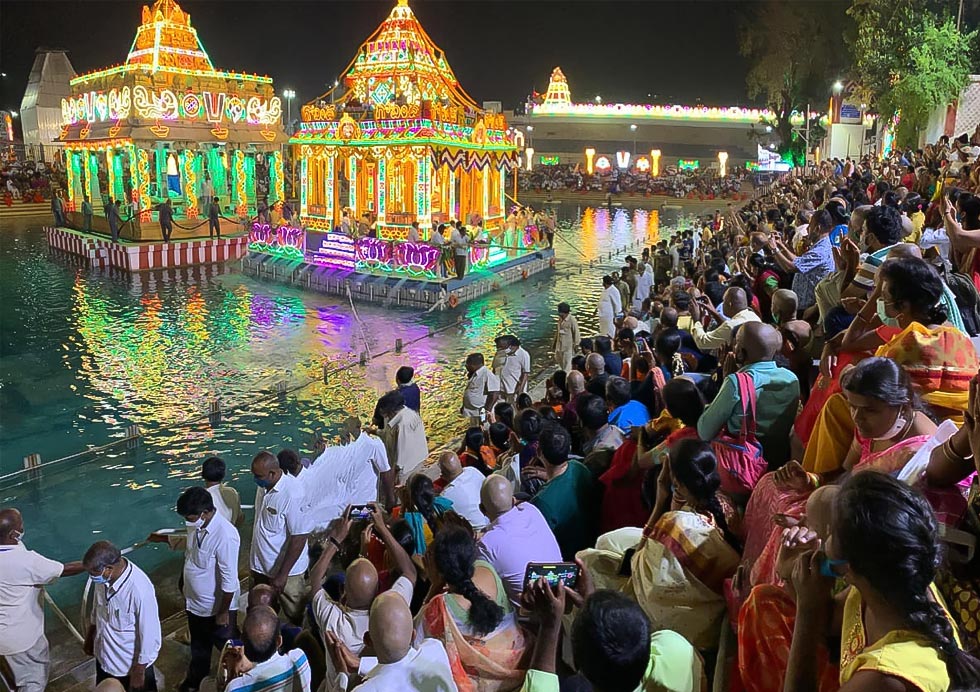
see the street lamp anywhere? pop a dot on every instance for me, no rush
(598, 99)
(633, 130)
(289, 95)
(838, 86)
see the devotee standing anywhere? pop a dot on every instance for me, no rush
(482, 390)
(610, 306)
(462, 488)
(515, 368)
(403, 434)
(125, 637)
(226, 499)
(23, 575)
(566, 338)
(278, 554)
(461, 247)
(214, 219)
(166, 215)
(736, 305)
(87, 213)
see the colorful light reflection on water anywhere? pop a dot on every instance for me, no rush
(83, 355)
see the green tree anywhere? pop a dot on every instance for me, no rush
(909, 58)
(795, 51)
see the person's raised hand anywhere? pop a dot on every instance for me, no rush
(813, 590)
(851, 253)
(792, 476)
(341, 526)
(584, 588)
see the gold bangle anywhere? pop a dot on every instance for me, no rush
(814, 480)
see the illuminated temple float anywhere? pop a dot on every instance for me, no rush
(167, 125)
(400, 140)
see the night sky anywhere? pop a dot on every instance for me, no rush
(500, 50)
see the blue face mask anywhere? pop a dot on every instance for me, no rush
(261, 482)
(828, 565)
(101, 579)
(883, 316)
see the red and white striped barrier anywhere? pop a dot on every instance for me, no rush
(137, 257)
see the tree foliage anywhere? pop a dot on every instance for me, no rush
(795, 49)
(909, 57)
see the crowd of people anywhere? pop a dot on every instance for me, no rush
(687, 476)
(701, 184)
(29, 181)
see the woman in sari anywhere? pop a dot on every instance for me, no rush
(686, 552)
(422, 509)
(468, 611)
(894, 630)
(939, 358)
(889, 428)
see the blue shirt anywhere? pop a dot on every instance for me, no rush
(777, 397)
(628, 415)
(811, 266)
(412, 395)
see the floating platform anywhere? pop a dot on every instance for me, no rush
(101, 252)
(391, 272)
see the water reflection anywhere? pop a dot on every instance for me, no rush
(85, 354)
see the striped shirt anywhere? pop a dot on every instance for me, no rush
(281, 673)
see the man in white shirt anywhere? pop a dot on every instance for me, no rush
(211, 588)
(513, 369)
(282, 525)
(348, 475)
(346, 621)
(226, 499)
(23, 574)
(403, 434)
(722, 336)
(644, 282)
(398, 666)
(258, 666)
(609, 308)
(517, 535)
(413, 233)
(482, 389)
(461, 248)
(462, 488)
(125, 637)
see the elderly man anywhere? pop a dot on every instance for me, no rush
(347, 621)
(596, 376)
(211, 588)
(610, 307)
(282, 525)
(784, 306)
(777, 394)
(403, 434)
(258, 666)
(462, 489)
(23, 574)
(125, 637)
(517, 535)
(644, 282)
(513, 369)
(735, 305)
(398, 666)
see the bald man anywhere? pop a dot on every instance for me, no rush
(397, 665)
(595, 371)
(282, 526)
(784, 303)
(23, 573)
(347, 620)
(462, 488)
(517, 535)
(777, 392)
(734, 304)
(265, 668)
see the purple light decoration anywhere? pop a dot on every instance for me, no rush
(373, 252)
(287, 236)
(417, 258)
(336, 250)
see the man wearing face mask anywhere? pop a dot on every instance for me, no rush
(23, 573)
(125, 638)
(211, 589)
(282, 526)
(777, 394)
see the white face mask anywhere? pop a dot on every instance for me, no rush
(195, 525)
(900, 422)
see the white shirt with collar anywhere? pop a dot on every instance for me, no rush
(423, 669)
(211, 566)
(274, 675)
(280, 512)
(127, 622)
(219, 502)
(350, 624)
(478, 388)
(464, 491)
(723, 334)
(513, 366)
(23, 573)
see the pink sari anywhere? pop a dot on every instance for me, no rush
(763, 534)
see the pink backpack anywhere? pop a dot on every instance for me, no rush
(740, 462)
